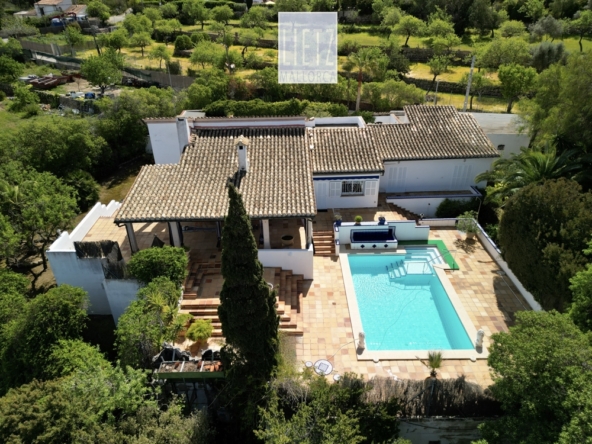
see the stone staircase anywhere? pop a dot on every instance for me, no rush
(290, 290)
(324, 243)
(409, 215)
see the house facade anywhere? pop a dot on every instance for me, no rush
(287, 169)
(48, 7)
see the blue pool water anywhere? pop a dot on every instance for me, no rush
(403, 304)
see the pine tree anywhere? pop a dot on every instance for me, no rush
(247, 313)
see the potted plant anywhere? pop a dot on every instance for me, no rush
(358, 219)
(200, 330)
(381, 220)
(467, 224)
(434, 362)
(337, 219)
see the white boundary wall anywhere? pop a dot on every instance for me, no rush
(495, 253)
(85, 273)
(299, 261)
(120, 293)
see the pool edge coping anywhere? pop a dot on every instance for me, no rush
(392, 355)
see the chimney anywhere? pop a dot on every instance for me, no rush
(242, 144)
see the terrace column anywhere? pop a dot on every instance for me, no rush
(308, 232)
(266, 239)
(175, 234)
(131, 237)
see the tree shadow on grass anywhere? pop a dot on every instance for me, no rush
(466, 245)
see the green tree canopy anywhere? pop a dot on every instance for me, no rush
(560, 109)
(71, 355)
(516, 81)
(160, 53)
(35, 208)
(169, 10)
(550, 224)
(27, 341)
(101, 405)
(141, 40)
(581, 287)
(479, 83)
(206, 53)
(198, 96)
(151, 263)
(153, 14)
(148, 321)
(122, 126)
(115, 40)
(10, 69)
(98, 9)
(541, 369)
(101, 70)
(73, 36)
(581, 26)
(512, 28)
(222, 14)
(136, 23)
(247, 313)
(256, 17)
(59, 146)
(503, 52)
(196, 11)
(410, 26)
(366, 61)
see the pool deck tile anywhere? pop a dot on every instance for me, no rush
(489, 299)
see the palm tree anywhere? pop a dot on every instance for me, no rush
(531, 166)
(365, 61)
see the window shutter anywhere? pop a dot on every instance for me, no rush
(371, 187)
(334, 189)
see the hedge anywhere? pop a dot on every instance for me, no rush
(257, 107)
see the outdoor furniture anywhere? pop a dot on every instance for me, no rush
(373, 239)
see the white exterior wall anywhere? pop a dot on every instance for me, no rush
(404, 230)
(512, 143)
(50, 9)
(299, 261)
(432, 175)
(164, 140)
(328, 192)
(85, 273)
(120, 293)
(424, 205)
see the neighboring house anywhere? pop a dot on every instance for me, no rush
(48, 7)
(287, 169)
(505, 132)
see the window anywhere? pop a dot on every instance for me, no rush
(501, 147)
(352, 188)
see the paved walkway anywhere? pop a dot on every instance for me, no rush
(489, 299)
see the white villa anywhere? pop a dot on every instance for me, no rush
(290, 170)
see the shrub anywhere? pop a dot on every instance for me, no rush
(31, 110)
(183, 42)
(454, 207)
(174, 67)
(199, 37)
(257, 107)
(169, 262)
(200, 330)
(366, 115)
(2, 96)
(87, 188)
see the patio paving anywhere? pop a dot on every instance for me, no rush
(489, 299)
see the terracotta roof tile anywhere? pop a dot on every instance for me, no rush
(278, 183)
(344, 150)
(433, 132)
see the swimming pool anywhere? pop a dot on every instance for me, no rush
(402, 303)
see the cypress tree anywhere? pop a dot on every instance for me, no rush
(247, 313)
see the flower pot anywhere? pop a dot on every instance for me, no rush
(381, 220)
(287, 240)
(338, 223)
(470, 235)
